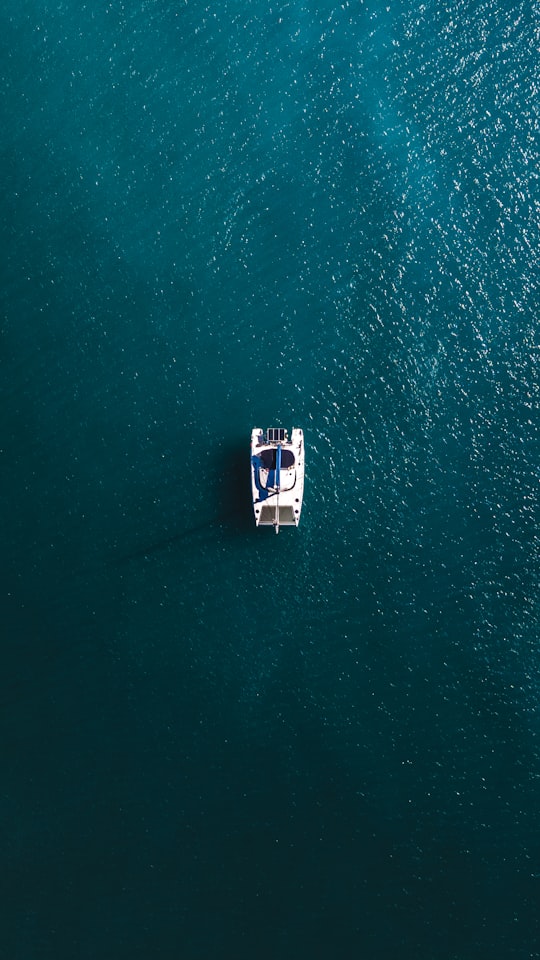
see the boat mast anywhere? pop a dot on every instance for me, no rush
(277, 484)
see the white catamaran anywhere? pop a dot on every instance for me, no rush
(277, 476)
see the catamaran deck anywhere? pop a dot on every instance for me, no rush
(277, 476)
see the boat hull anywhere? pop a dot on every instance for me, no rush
(277, 477)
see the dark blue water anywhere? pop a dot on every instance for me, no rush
(217, 743)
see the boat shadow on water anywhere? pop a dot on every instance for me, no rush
(232, 482)
(229, 486)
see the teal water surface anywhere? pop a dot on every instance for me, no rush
(218, 743)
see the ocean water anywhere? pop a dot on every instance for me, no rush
(219, 744)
